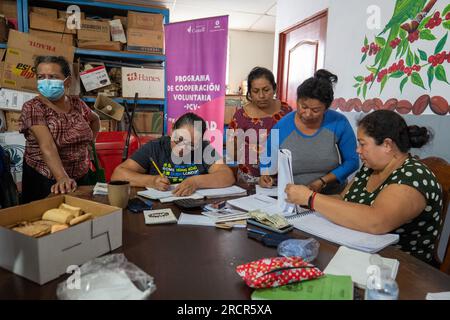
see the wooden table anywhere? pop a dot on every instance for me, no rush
(194, 262)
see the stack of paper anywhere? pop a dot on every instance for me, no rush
(100, 189)
(256, 202)
(223, 192)
(317, 225)
(167, 196)
(225, 215)
(269, 192)
(201, 220)
(353, 263)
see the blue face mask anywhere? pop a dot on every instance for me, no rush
(52, 89)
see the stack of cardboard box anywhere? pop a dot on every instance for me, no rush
(44, 23)
(145, 32)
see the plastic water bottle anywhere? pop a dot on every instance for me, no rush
(380, 285)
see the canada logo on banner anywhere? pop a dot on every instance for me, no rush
(196, 56)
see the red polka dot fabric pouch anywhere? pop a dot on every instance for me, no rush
(275, 272)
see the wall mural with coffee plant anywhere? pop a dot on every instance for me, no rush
(408, 51)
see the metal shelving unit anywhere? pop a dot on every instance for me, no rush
(135, 57)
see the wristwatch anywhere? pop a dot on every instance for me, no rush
(324, 183)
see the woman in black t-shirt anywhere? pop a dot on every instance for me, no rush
(183, 158)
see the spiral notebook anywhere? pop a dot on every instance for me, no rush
(314, 223)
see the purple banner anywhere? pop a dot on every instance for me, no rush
(196, 53)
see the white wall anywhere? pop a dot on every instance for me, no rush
(248, 50)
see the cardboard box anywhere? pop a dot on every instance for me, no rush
(108, 125)
(2, 121)
(147, 21)
(64, 14)
(100, 45)
(8, 8)
(2, 65)
(148, 122)
(13, 100)
(46, 258)
(95, 78)
(75, 83)
(102, 102)
(12, 121)
(94, 30)
(123, 20)
(48, 12)
(147, 41)
(19, 72)
(14, 144)
(229, 113)
(54, 36)
(148, 83)
(117, 31)
(40, 22)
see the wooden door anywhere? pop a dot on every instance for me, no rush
(301, 53)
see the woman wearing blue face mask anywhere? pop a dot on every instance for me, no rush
(58, 130)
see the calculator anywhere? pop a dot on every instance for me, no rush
(190, 203)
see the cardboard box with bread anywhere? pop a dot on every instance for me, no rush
(41, 239)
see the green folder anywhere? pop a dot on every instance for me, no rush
(328, 287)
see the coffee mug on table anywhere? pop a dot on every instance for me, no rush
(119, 193)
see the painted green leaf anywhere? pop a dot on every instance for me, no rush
(356, 85)
(366, 42)
(440, 74)
(363, 58)
(441, 44)
(446, 25)
(403, 34)
(446, 10)
(397, 74)
(380, 41)
(430, 74)
(427, 35)
(405, 47)
(402, 84)
(383, 83)
(364, 90)
(359, 78)
(409, 58)
(385, 56)
(399, 50)
(372, 69)
(424, 22)
(417, 80)
(416, 58)
(358, 92)
(378, 57)
(423, 55)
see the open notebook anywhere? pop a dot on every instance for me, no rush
(167, 196)
(314, 223)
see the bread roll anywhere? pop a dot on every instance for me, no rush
(58, 215)
(59, 227)
(35, 231)
(73, 210)
(80, 219)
